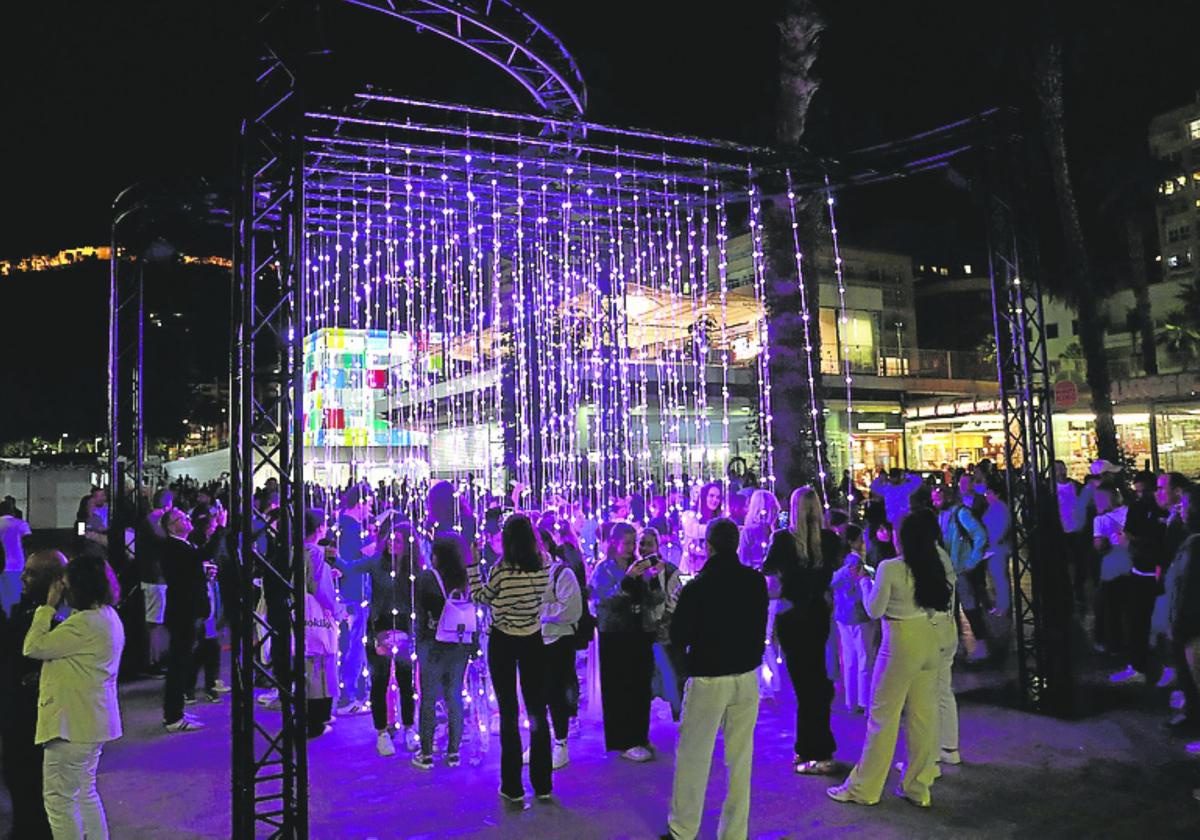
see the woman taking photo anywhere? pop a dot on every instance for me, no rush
(389, 630)
(442, 663)
(623, 596)
(78, 709)
(799, 566)
(515, 591)
(912, 594)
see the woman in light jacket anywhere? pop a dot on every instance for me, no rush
(77, 694)
(913, 595)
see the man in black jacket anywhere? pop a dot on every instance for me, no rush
(187, 601)
(19, 699)
(721, 621)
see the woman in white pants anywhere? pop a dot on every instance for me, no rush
(77, 694)
(912, 596)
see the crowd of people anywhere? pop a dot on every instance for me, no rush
(692, 598)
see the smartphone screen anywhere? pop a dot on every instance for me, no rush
(80, 528)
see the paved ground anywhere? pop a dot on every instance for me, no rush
(1113, 774)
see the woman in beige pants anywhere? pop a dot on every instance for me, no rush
(911, 594)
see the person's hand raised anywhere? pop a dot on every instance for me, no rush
(58, 589)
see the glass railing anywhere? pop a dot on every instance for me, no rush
(919, 362)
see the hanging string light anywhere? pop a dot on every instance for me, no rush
(809, 350)
(843, 327)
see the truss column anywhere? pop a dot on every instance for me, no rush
(1041, 600)
(269, 773)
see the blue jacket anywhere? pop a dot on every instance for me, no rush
(964, 537)
(354, 587)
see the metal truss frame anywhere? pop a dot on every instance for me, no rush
(1043, 661)
(270, 772)
(508, 37)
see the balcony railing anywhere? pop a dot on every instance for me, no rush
(917, 362)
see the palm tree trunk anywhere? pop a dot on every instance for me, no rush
(1141, 294)
(800, 29)
(1049, 89)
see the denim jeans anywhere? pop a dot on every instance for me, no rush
(442, 669)
(354, 686)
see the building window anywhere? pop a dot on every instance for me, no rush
(967, 269)
(1075, 327)
(1052, 331)
(1194, 129)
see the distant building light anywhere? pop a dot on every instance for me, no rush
(967, 268)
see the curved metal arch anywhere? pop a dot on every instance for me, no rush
(505, 35)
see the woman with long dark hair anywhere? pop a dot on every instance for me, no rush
(623, 595)
(515, 591)
(912, 594)
(710, 504)
(389, 644)
(443, 663)
(799, 566)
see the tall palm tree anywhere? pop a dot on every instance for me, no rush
(1079, 285)
(800, 28)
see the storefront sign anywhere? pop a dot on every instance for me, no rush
(1170, 386)
(1066, 394)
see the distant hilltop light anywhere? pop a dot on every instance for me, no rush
(71, 256)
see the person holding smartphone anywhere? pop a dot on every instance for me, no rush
(622, 595)
(662, 577)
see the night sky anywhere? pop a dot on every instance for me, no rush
(99, 95)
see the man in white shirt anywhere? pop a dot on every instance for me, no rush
(895, 489)
(1074, 499)
(12, 531)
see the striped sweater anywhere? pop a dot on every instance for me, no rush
(515, 597)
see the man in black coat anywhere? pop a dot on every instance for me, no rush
(721, 621)
(19, 677)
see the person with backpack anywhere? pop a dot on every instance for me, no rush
(562, 611)
(515, 591)
(966, 541)
(446, 634)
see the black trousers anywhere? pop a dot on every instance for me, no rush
(22, 770)
(381, 675)
(207, 658)
(1184, 679)
(626, 671)
(1109, 609)
(526, 655)
(803, 640)
(1141, 592)
(1082, 560)
(179, 670)
(562, 685)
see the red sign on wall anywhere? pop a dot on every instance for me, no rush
(1066, 394)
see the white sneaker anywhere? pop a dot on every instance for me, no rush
(412, 740)
(221, 688)
(354, 707)
(268, 697)
(384, 745)
(184, 724)
(638, 754)
(559, 756)
(1129, 676)
(1167, 679)
(951, 757)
